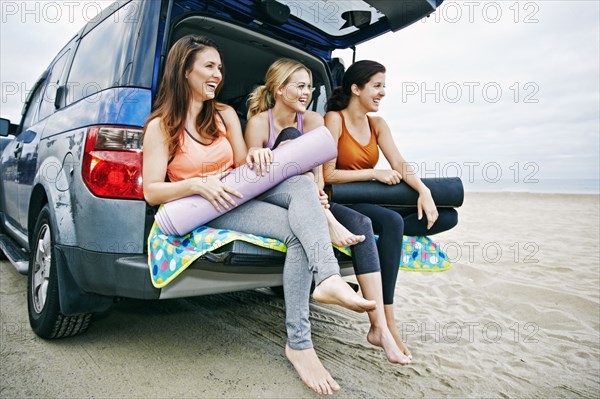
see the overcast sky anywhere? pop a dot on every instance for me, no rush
(477, 89)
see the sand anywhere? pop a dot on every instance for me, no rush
(518, 315)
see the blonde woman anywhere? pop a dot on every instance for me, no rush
(277, 109)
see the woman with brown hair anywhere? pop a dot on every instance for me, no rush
(359, 138)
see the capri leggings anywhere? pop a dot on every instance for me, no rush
(390, 224)
(282, 213)
(364, 255)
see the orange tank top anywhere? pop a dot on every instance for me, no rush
(194, 159)
(353, 155)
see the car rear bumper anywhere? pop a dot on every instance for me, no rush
(235, 267)
(109, 274)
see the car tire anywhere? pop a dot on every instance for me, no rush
(43, 303)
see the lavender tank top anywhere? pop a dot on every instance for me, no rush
(273, 134)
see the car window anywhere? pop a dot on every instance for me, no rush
(319, 99)
(334, 18)
(47, 106)
(31, 107)
(103, 57)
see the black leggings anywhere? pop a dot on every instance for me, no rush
(364, 255)
(390, 224)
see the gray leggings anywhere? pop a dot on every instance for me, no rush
(291, 213)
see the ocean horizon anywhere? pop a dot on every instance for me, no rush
(542, 186)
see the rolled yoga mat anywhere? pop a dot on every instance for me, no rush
(313, 148)
(446, 192)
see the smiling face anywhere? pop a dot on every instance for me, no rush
(205, 75)
(371, 94)
(297, 91)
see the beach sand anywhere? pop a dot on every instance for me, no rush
(518, 315)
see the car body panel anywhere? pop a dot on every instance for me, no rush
(122, 106)
(27, 168)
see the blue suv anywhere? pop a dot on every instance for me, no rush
(72, 211)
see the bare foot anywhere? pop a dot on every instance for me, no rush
(311, 371)
(340, 236)
(384, 339)
(396, 335)
(334, 290)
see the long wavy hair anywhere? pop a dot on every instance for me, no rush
(174, 94)
(279, 73)
(359, 74)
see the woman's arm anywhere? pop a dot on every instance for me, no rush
(312, 120)
(385, 141)
(234, 134)
(157, 191)
(257, 136)
(257, 131)
(155, 160)
(331, 175)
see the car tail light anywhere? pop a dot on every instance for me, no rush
(112, 163)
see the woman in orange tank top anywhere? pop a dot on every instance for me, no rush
(359, 138)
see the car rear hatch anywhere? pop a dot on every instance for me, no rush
(319, 26)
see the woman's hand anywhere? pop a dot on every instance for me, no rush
(387, 176)
(215, 191)
(261, 157)
(426, 205)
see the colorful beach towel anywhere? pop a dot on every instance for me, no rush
(169, 256)
(419, 254)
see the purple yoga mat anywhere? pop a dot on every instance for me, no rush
(313, 148)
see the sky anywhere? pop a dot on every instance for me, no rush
(481, 89)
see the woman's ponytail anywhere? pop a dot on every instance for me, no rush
(260, 100)
(338, 100)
